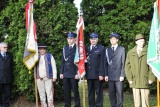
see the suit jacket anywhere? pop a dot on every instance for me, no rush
(95, 62)
(115, 63)
(6, 68)
(68, 68)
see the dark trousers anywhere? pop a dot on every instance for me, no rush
(71, 84)
(116, 93)
(4, 94)
(95, 86)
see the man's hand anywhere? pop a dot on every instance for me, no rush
(61, 76)
(76, 76)
(54, 79)
(100, 78)
(106, 78)
(150, 82)
(130, 82)
(121, 78)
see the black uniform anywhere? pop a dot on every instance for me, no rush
(69, 70)
(94, 69)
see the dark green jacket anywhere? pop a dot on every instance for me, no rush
(137, 69)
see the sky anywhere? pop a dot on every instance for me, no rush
(77, 5)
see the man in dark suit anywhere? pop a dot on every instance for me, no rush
(95, 71)
(68, 71)
(115, 71)
(6, 60)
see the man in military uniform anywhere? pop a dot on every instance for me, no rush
(95, 71)
(68, 71)
(115, 71)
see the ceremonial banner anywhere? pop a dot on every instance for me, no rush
(153, 55)
(31, 49)
(80, 56)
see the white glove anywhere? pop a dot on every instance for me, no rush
(150, 82)
(106, 78)
(76, 76)
(61, 76)
(130, 82)
(121, 78)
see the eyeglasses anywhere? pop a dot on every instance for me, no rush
(5, 47)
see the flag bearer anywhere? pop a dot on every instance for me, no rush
(68, 71)
(95, 71)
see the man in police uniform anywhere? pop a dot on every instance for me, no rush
(95, 71)
(115, 73)
(68, 71)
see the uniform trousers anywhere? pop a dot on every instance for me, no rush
(45, 86)
(144, 93)
(95, 86)
(116, 93)
(5, 94)
(71, 84)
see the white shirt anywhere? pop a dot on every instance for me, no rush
(115, 47)
(139, 50)
(71, 45)
(92, 46)
(2, 53)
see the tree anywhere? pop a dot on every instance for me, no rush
(54, 18)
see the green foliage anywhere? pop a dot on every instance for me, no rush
(54, 18)
(125, 17)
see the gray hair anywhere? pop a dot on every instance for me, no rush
(3, 43)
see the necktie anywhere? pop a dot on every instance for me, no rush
(92, 47)
(113, 49)
(70, 47)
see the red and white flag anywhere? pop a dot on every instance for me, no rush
(31, 49)
(80, 56)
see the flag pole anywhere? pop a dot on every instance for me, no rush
(84, 94)
(36, 92)
(158, 82)
(158, 93)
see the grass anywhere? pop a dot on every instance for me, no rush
(128, 99)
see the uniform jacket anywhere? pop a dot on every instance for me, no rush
(95, 62)
(68, 68)
(6, 68)
(115, 63)
(137, 70)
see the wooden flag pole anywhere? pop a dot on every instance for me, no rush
(158, 93)
(36, 93)
(84, 93)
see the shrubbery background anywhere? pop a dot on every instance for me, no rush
(56, 17)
